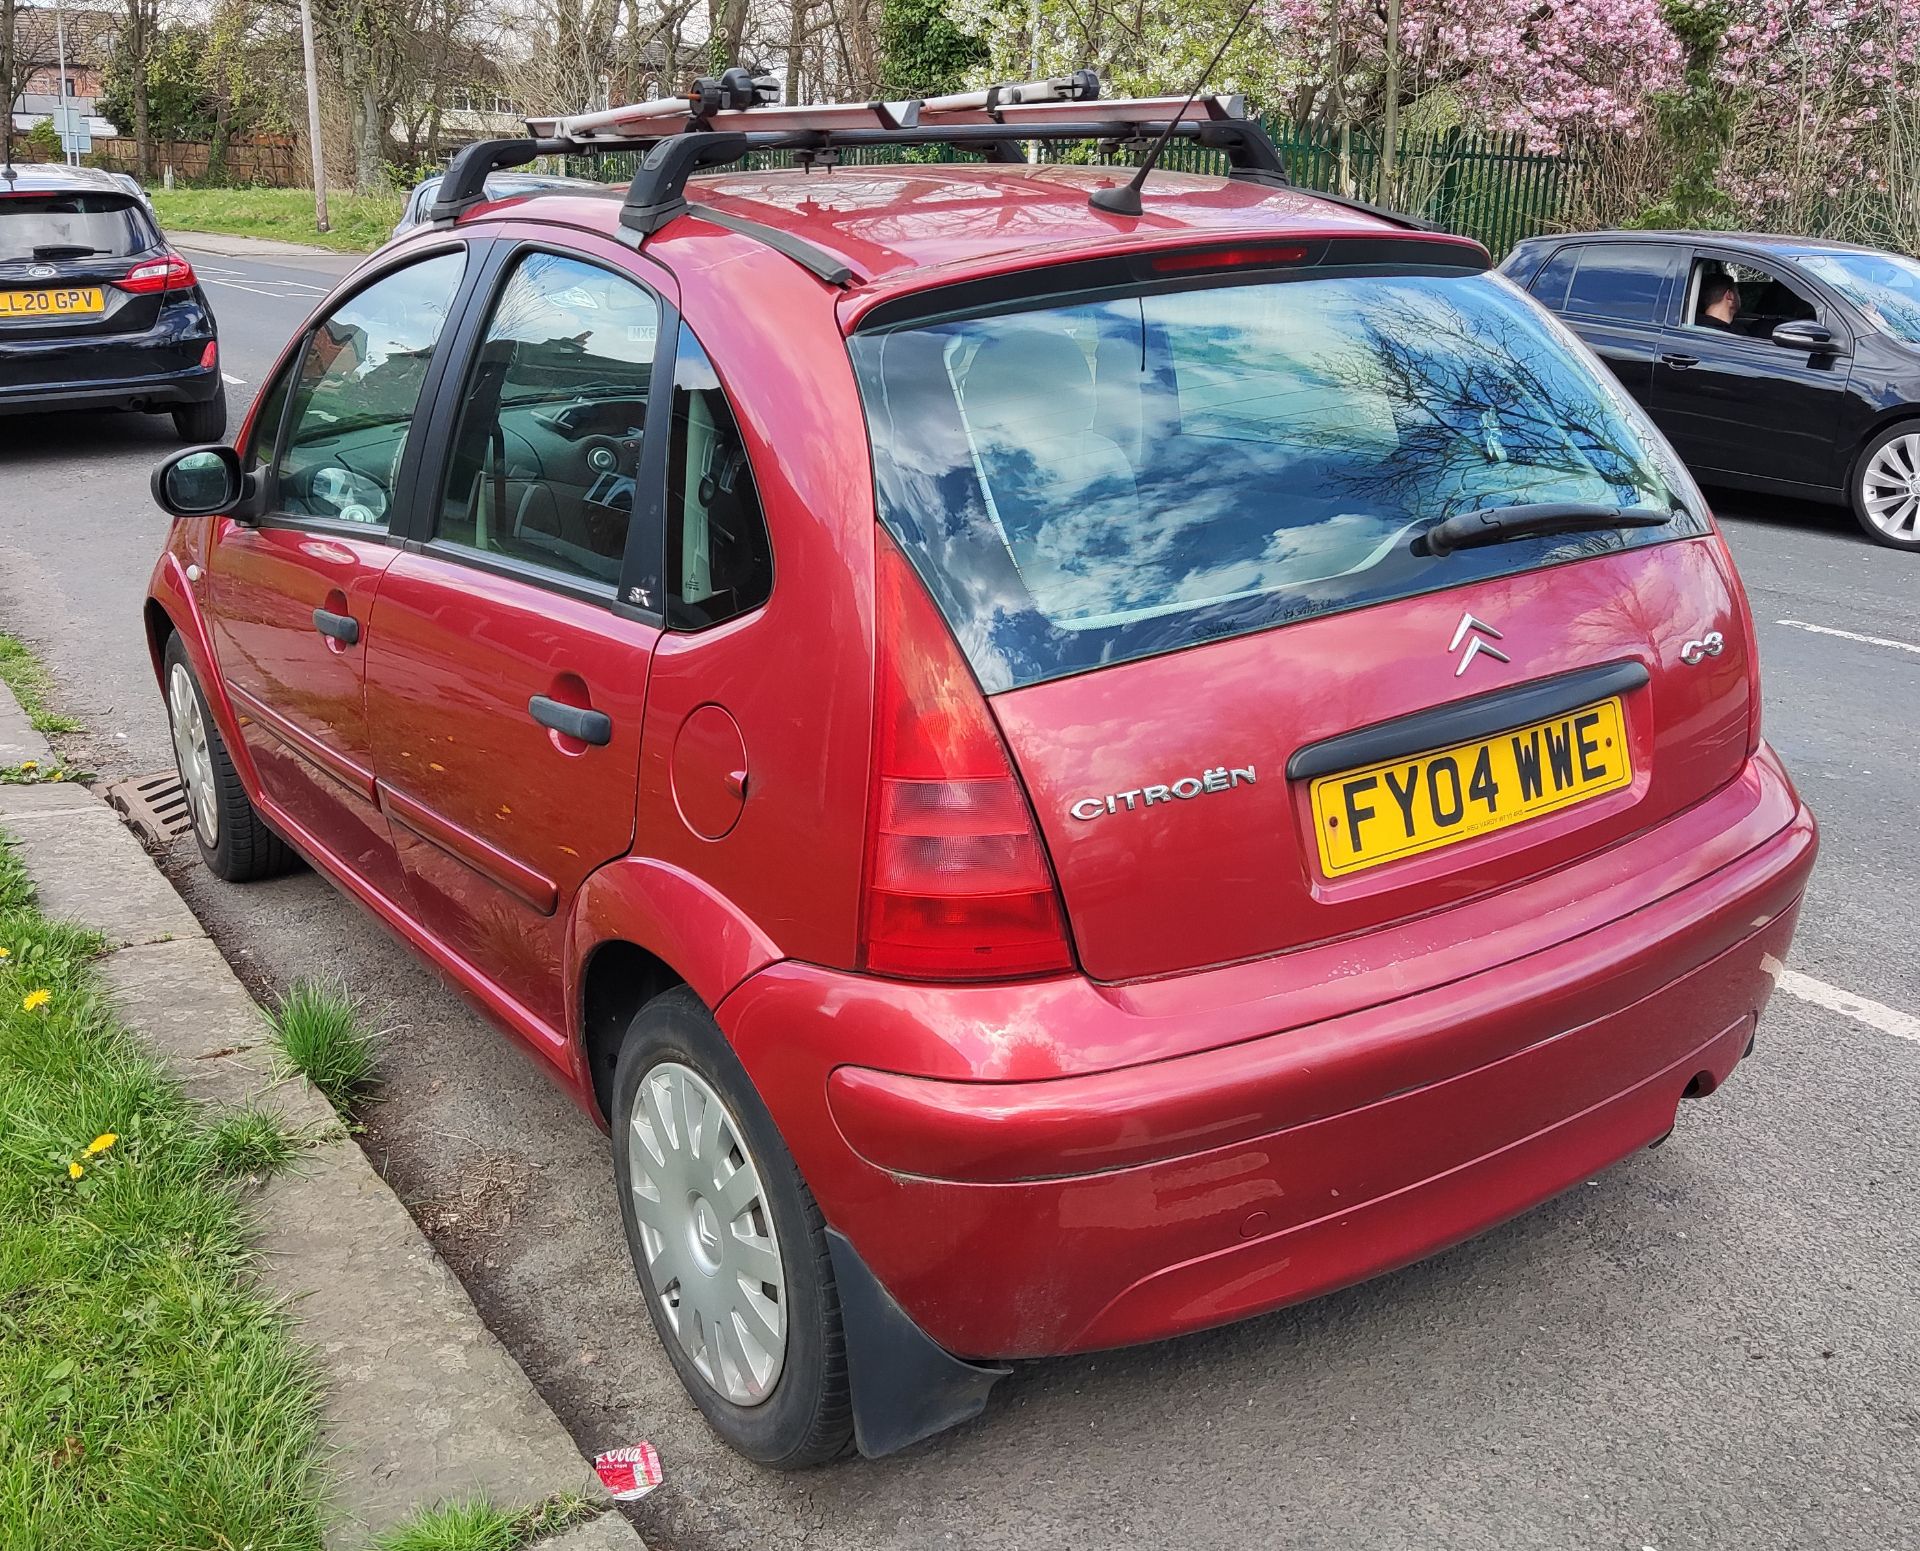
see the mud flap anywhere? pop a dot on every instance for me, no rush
(905, 1388)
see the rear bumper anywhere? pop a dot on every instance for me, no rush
(1018, 1219)
(155, 368)
(162, 390)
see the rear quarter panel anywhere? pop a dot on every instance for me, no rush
(796, 675)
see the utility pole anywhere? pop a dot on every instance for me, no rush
(1388, 193)
(67, 135)
(313, 120)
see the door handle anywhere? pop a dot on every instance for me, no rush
(343, 628)
(1680, 362)
(572, 720)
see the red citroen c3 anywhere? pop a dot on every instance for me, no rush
(1055, 776)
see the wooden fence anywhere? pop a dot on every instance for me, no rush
(276, 163)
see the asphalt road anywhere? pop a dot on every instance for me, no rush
(1716, 1344)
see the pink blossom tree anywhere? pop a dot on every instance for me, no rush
(1826, 126)
(1549, 69)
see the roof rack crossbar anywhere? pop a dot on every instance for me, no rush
(464, 184)
(722, 119)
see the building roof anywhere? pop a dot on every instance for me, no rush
(908, 218)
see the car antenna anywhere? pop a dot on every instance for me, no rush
(1125, 199)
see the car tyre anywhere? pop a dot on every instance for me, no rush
(702, 1129)
(234, 840)
(198, 423)
(1885, 487)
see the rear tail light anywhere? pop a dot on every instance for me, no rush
(172, 273)
(211, 355)
(958, 886)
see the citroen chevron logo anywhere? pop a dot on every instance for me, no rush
(1477, 645)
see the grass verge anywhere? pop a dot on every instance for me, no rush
(22, 673)
(360, 222)
(319, 1032)
(479, 1526)
(149, 1396)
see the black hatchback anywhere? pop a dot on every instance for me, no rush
(96, 311)
(1782, 364)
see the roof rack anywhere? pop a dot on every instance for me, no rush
(723, 118)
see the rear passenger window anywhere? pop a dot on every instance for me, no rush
(1618, 281)
(719, 559)
(1550, 285)
(544, 458)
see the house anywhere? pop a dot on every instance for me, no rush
(90, 38)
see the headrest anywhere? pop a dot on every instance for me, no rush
(1035, 379)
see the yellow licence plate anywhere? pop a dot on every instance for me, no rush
(61, 301)
(1405, 806)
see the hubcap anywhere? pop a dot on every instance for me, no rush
(707, 1232)
(191, 755)
(1890, 488)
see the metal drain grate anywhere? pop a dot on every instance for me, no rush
(154, 806)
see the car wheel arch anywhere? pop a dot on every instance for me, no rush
(639, 927)
(171, 609)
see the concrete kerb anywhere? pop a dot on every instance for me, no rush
(423, 1404)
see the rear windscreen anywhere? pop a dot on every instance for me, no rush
(1136, 472)
(68, 226)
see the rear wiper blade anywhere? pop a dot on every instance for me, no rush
(60, 250)
(1497, 524)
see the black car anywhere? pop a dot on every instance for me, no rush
(1785, 364)
(96, 311)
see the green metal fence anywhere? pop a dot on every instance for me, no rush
(1487, 186)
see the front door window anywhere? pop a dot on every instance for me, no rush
(1743, 300)
(355, 392)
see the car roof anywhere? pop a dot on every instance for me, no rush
(902, 220)
(1767, 242)
(58, 178)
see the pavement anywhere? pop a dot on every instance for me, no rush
(1715, 1344)
(230, 246)
(423, 1405)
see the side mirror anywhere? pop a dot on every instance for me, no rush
(199, 482)
(1804, 335)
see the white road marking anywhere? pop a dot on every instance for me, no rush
(1848, 635)
(238, 382)
(259, 285)
(1875, 1015)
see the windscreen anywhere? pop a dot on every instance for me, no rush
(1135, 472)
(71, 225)
(1885, 286)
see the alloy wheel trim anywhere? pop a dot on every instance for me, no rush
(707, 1233)
(1890, 488)
(191, 754)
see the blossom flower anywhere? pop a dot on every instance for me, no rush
(33, 1001)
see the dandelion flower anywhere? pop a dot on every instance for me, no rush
(29, 764)
(74, 1171)
(101, 1143)
(6, 953)
(33, 1001)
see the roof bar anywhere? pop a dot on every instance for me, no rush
(721, 119)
